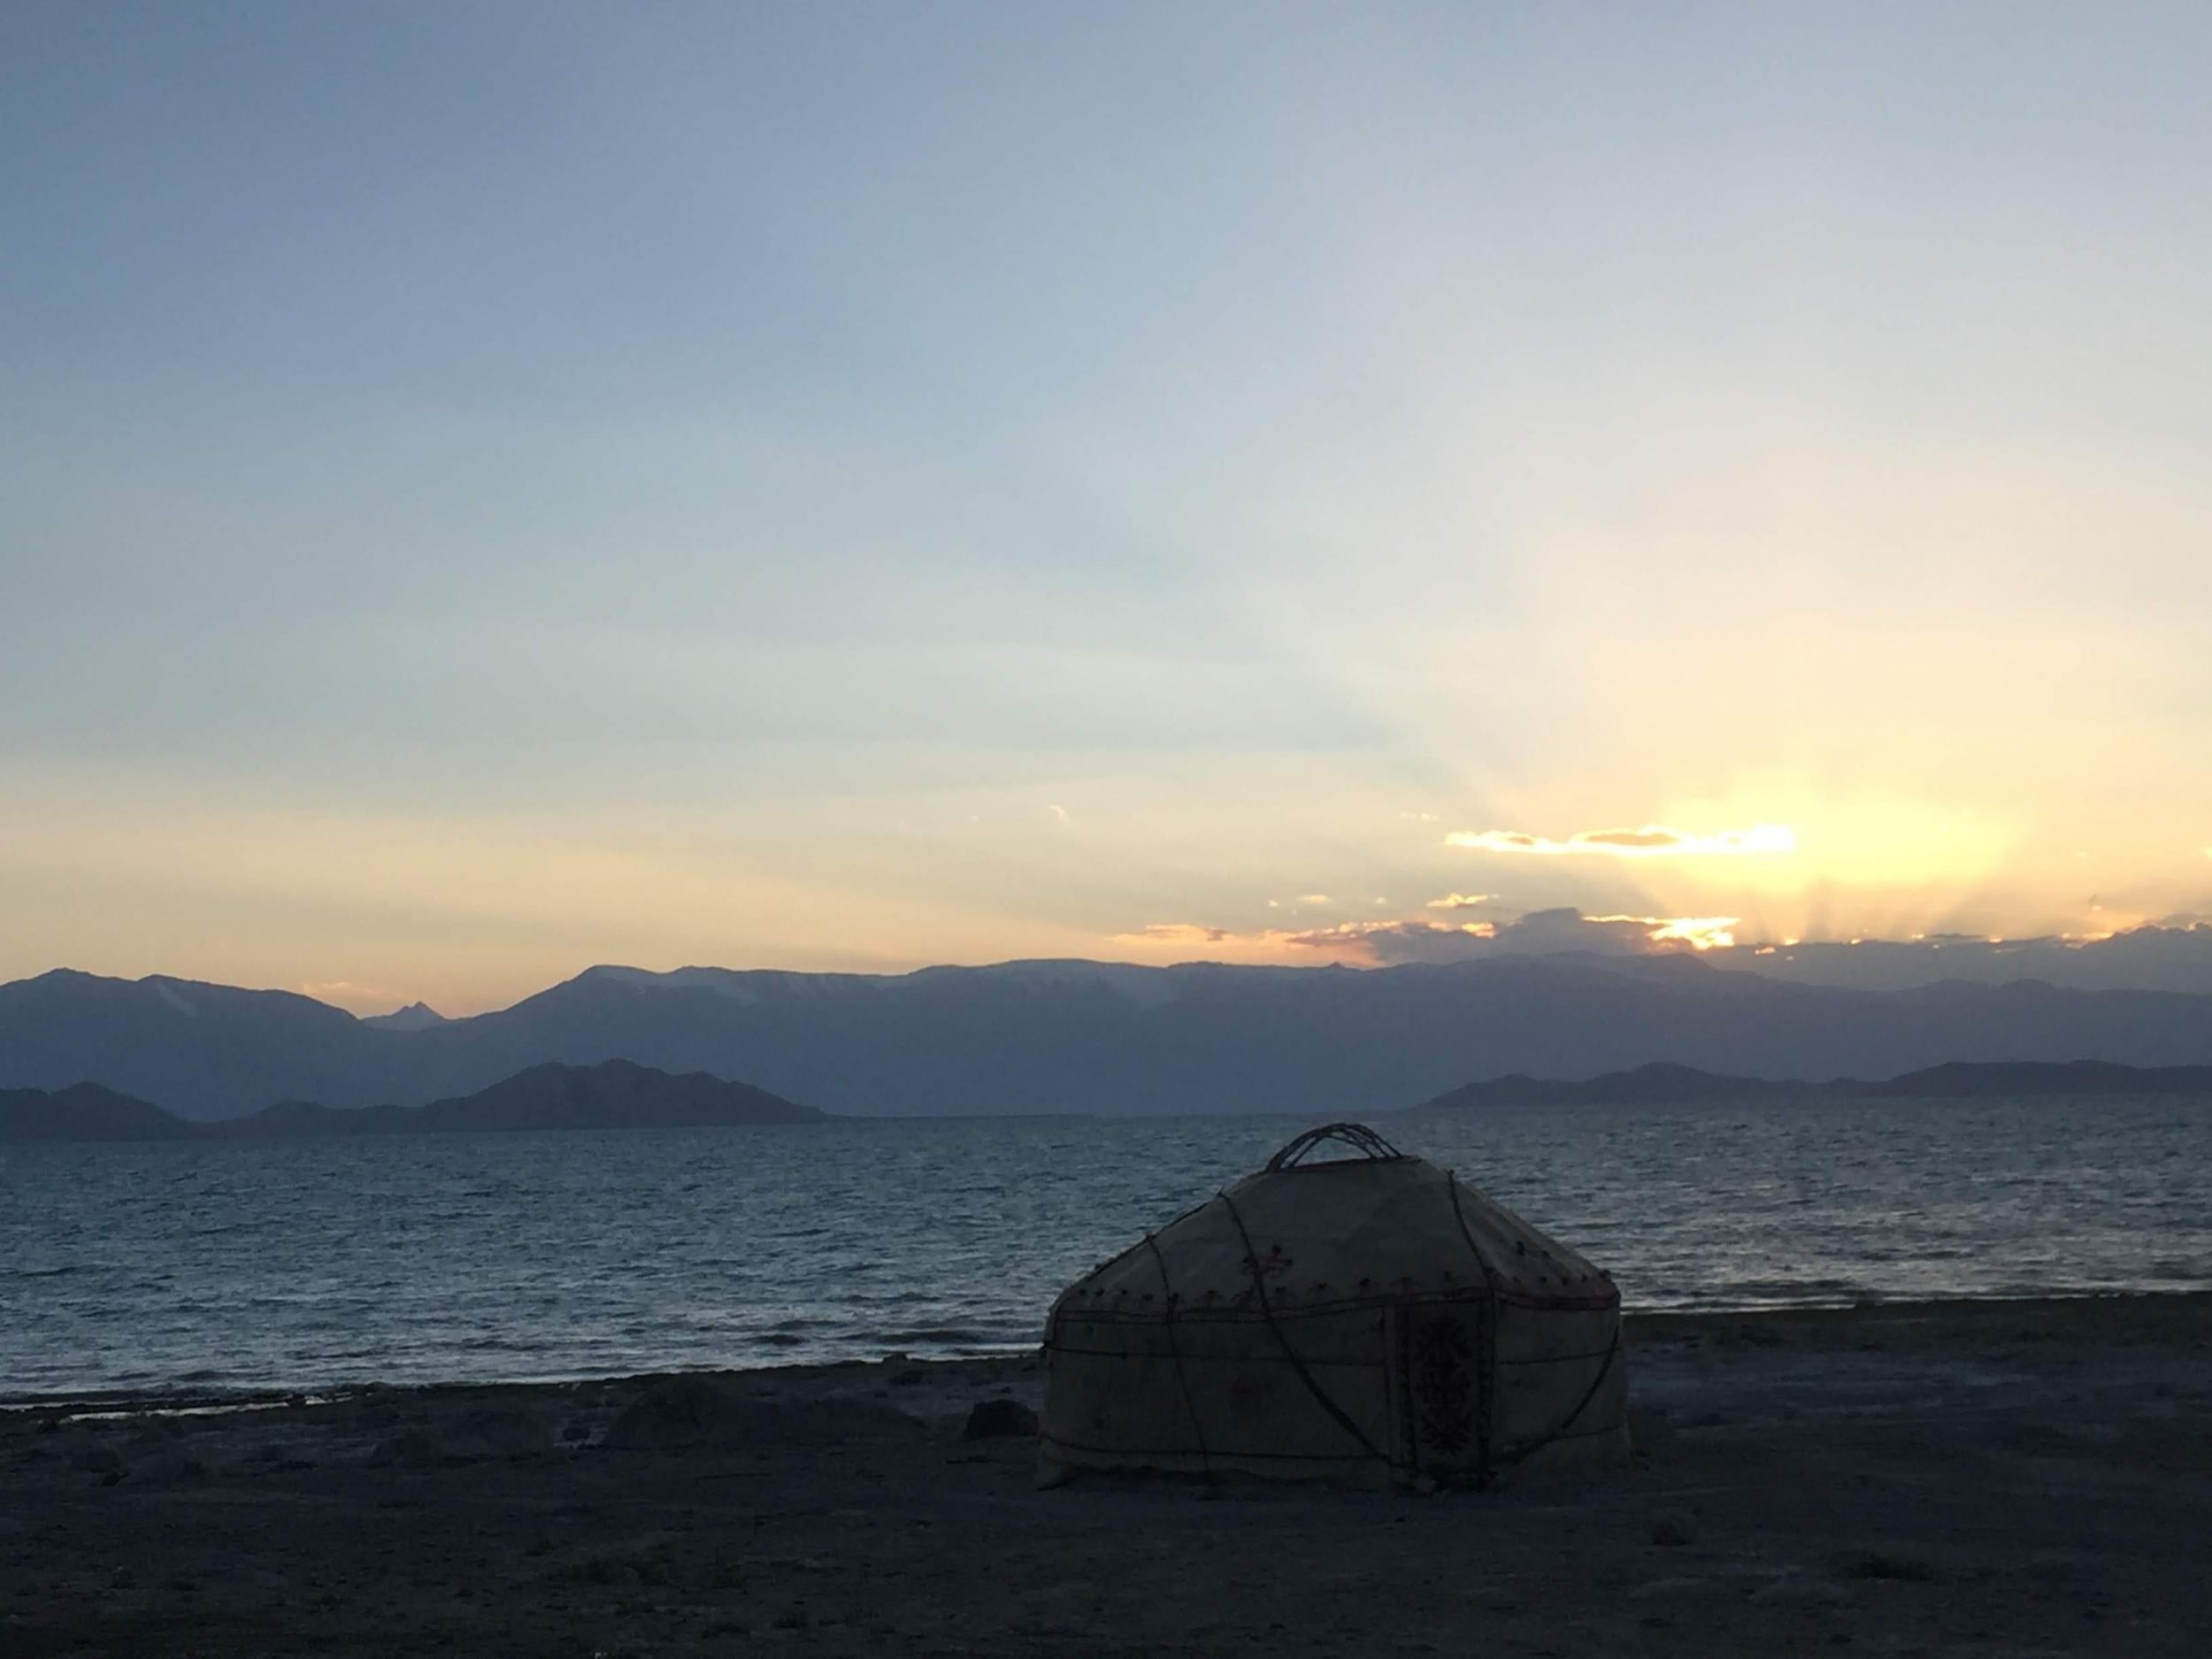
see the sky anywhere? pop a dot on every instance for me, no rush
(488, 489)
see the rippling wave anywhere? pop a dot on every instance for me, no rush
(307, 1264)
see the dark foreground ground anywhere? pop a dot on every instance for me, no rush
(1968, 1478)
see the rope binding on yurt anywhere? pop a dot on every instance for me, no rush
(1559, 1429)
(1486, 1366)
(1372, 1147)
(1342, 1418)
(1175, 1352)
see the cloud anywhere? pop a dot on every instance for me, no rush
(1165, 942)
(1383, 944)
(1539, 933)
(1315, 898)
(2174, 954)
(1460, 902)
(1059, 814)
(1542, 932)
(1699, 932)
(1653, 840)
(1181, 933)
(1386, 944)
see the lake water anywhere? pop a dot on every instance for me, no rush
(308, 1263)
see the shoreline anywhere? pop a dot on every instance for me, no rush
(1639, 1325)
(1948, 1479)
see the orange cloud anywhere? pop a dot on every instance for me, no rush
(1361, 933)
(1180, 934)
(1460, 901)
(1699, 932)
(1358, 944)
(1381, 943)
(1653, 840)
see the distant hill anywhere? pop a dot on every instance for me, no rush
(1074, 1036)
(1665, 1085)
(614, 1095)
(1654, 1084)
(85, 1112)
(2074, 1080)
(619, 1094)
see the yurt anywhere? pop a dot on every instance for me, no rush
(1366, 1320)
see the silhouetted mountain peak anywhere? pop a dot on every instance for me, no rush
(414, 1017)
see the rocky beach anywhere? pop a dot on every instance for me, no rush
(1962, 1477)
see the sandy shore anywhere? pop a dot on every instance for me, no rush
(1986, 1478)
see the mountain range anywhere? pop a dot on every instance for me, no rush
(615, 1094)
(1071, 1035)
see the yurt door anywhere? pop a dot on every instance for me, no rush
(1443, 1359)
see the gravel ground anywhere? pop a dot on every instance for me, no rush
(1984, 1478)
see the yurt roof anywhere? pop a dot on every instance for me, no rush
(1304, 1233)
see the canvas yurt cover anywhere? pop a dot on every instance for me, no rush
(1367, 1319)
